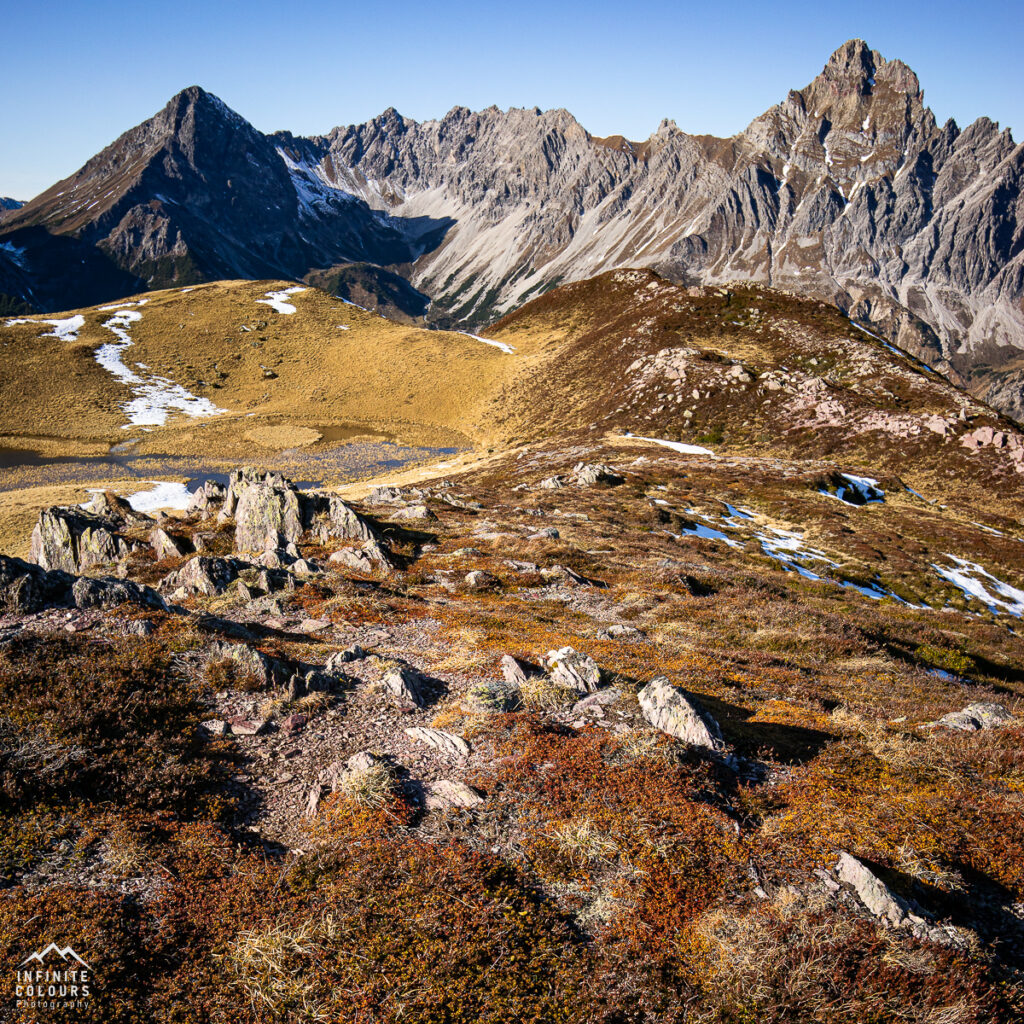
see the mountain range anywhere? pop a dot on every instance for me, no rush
(848, 191)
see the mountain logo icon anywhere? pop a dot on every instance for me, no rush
(64, 953)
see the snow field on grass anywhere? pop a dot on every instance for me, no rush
(276, 300)
(153, 396)
(508, 349)
(66, 330)
(787, 547)
(981, 585)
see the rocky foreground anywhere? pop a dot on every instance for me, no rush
(528, 746)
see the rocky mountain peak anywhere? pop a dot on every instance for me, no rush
(854, 63)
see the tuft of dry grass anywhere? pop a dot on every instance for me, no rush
(582, 841)
(271, 966)
(371, 787)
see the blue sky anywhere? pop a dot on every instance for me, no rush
(75, 75)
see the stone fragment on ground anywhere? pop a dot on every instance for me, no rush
(480, 579)
(446, 793)
(446, 743)
(670, 710)
(572, 670)
(891, 909)
(405, 683)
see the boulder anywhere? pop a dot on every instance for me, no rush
(203, 498)
(584, 475)
(516, 672)
(25, 587)
(337, 660)
(107, 592)
(384, 496)
(242, 726)
(336, 519)
(412, 512)
(563, 575)
(371, 555)
(164, 545)
(671, 711)
(265, 671)
(552, 483)
(107, 505)
(446, 743)
(975, 717)
(352, 558)
(313, 681)
(619, 631)
(203, 574)
(572, 670)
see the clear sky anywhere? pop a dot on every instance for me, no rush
(76, 74)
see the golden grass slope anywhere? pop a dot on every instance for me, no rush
(327, 363)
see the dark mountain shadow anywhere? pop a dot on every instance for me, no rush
(63, 272)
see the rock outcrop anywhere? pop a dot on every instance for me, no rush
(270, 513)
(74, 539)
(26, 588)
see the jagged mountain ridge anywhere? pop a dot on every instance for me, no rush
(195, 193)
(848, 190)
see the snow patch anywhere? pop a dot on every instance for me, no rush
(488, 341)
(123, 305)
(858, 490)
(163, 494)
(66, 330)
(981, 585)
(277, 299)
(676, 446)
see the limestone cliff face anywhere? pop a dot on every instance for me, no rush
(848, 191)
